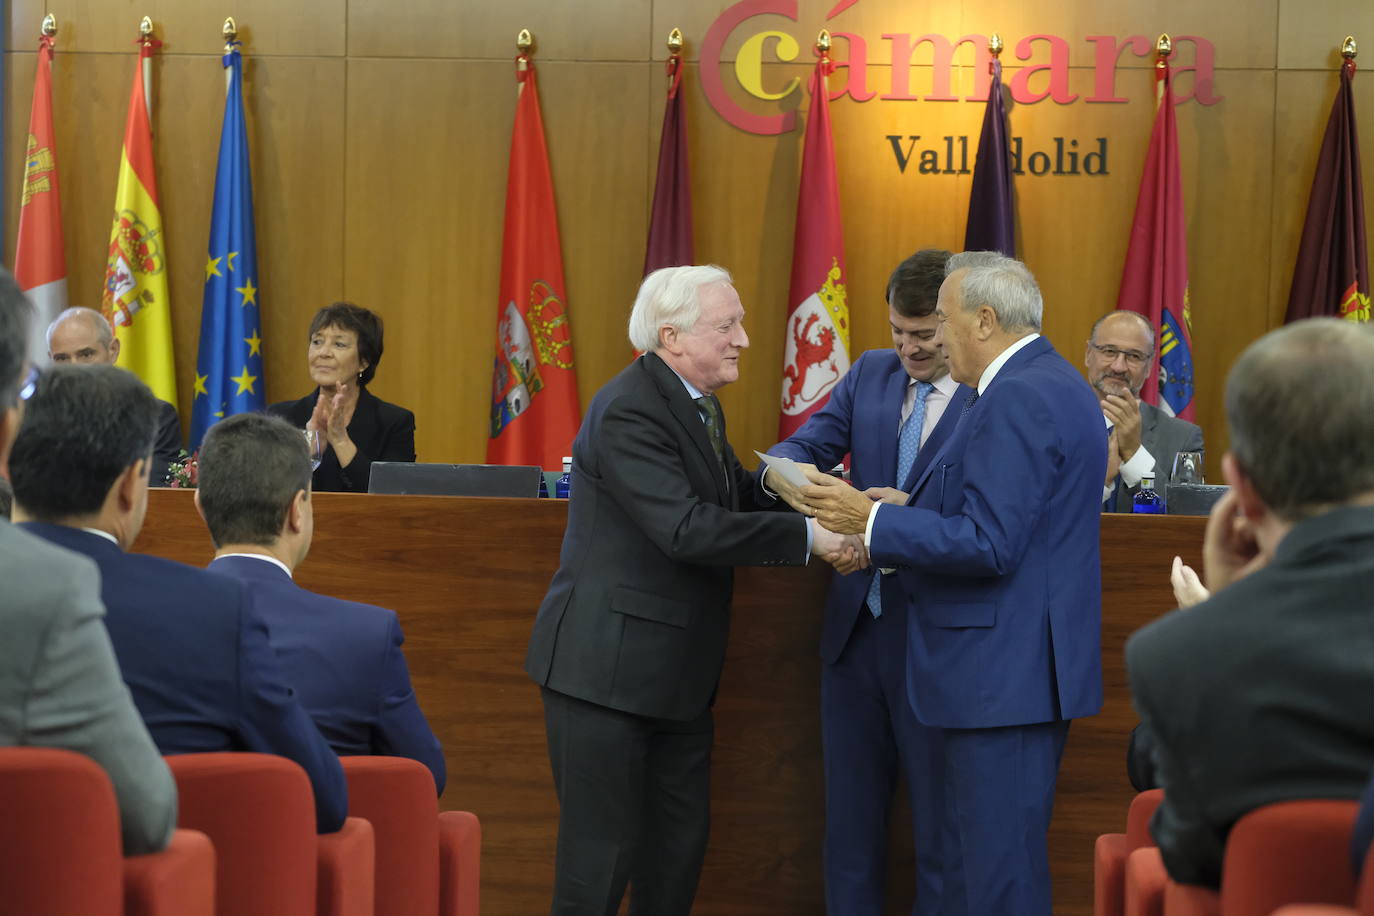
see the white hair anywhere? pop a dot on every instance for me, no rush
(670, 296)
(1002, 283)
(103, 332)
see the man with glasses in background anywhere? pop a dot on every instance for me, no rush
(1143, 439)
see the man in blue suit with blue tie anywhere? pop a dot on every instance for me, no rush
(891, 411)
(997, 551)
(190, 645)
(343, 658)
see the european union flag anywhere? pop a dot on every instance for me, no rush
(229, 365)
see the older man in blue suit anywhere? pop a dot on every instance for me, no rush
(343, 658)
(997, 550)
(191, 646)
(891, 412)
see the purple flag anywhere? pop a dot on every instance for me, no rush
(670, 226)
(991, 221)
(1331, 276)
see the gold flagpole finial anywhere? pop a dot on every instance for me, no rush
(230, 32)
(675, 41)
(145, 27)
(524, 41)
(1349, 48)
(49, 28)
(1164, 46)
(995, 45)
(823, 42)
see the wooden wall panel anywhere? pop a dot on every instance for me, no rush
(23, 18)
(599, 30)
(315, 27)
(1312, 32)
(427, 147)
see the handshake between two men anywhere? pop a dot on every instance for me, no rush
(841, 513)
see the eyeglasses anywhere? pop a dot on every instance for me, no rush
(30, 383)
(1133, 357)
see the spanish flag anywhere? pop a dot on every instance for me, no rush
(135, 298)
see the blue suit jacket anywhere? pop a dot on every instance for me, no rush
(998, 551)
(197, 660)
(345, 661)
(862, 419)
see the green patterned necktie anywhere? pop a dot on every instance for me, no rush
(710, 414)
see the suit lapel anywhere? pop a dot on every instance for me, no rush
(939, 435)
(684, 410)
(889, 425)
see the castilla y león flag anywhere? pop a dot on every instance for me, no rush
(1331, 276)
(135, 298)
(1154, 281)
(817, 333)
(534, 406)
(40, 263)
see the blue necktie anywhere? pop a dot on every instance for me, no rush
(908, 444)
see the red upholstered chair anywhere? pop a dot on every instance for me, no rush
(460, 863)
(346, 870)
(427, 862)
(1145, 882)
(1283, 853)
(1111, 850)
(397, 795)
(259, 812)
(60, 846)
(1364, 899)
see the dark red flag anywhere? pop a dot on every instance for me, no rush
(991, 222)
(534, 406)
(1331, 276)
(670, 225)
(817, 331)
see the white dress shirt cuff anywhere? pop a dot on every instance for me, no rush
(868, 528)
(1141, 463)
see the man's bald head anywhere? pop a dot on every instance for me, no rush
(82, 335)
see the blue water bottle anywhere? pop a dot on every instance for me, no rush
(1147, 500)
(564, 482)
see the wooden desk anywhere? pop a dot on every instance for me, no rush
(466, 577)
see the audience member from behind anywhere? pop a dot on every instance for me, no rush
(6, 491)
(1260, 693)
(357, 427)
(343, 658)
(59, 682)
(82, 336)
(1143, 438)
(192, 649)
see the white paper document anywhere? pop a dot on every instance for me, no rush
(789, 469)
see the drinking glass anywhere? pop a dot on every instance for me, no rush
(315, 442)
(1187, 468)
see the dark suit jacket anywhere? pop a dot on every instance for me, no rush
(1262, 693)
(862, 419)
(998, 552)
(167, 442)
(344, 659)
(637, 615)
(381, 431)
(1163, 437)
(197, 660)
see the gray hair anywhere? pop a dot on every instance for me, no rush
(15, 316)
(670, 296)
(1144, 323)
(1004, 284)
(1300, 404)
(103, 332)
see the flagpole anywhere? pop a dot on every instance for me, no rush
(145, 37)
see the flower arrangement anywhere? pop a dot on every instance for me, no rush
(182, 473)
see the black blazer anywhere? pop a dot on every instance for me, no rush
(637, 615)
(1261, 693)
(166, 444)
(381, 431)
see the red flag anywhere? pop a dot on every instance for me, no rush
(1331, 276)
(1155, 279)
(670, 225)
(534, 407)
(817, 330)
(40, 262)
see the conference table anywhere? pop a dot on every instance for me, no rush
(466, 576)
